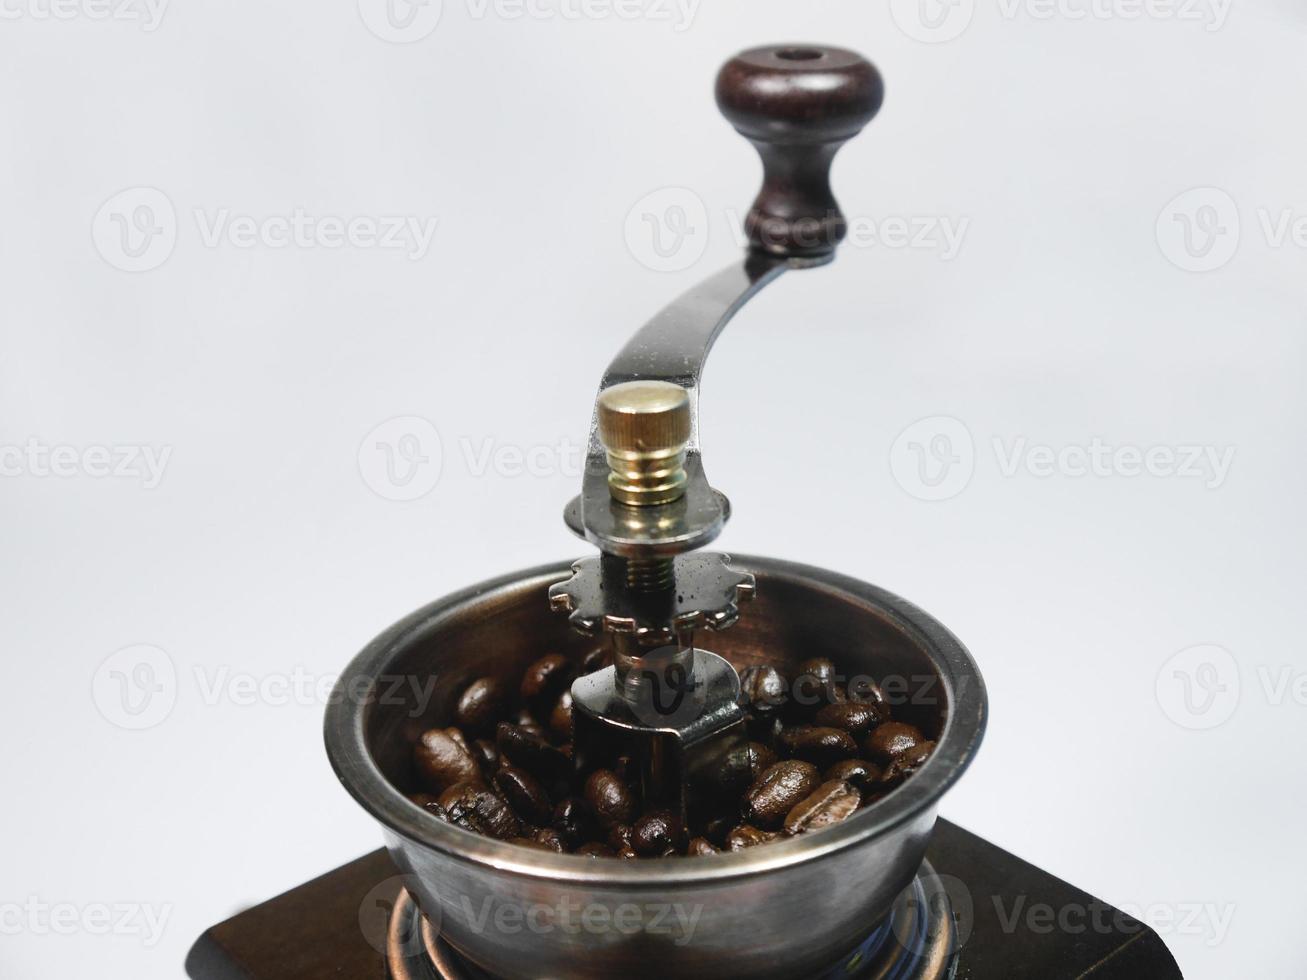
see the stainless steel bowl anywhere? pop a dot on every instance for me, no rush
(782, 910)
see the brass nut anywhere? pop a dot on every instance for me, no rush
(645, 428)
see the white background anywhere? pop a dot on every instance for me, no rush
(269, 550)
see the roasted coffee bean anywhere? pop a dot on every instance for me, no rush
(441, 759)
(551, 839)
(574, 819)
(658, 834)
(831, 803)
(761, 758)
(859, 773)
(746, 835)
(776, 791)
(699, 847)
(763, 688)
(560, 719)
(529, 751)
(764, 728)
(544, 681)
(487, 753)
(626, 853)
(524, 794)
(596, 850)
(815, 685)
(619, 836)
(864, 690)
(891, 739)
(482, 705)
(528, 723)
(854, 717)
(820, 746)
(609, 798)
(422, 799)
(716, 829)
(907, 762)
(595, 660)
(473, 807)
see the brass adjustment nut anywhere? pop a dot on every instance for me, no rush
(645, 428)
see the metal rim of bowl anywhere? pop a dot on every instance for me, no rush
(347, 749)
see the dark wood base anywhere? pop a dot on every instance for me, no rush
(314, 932)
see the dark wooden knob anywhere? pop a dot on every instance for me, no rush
(798, 105)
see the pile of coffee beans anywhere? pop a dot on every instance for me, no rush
(819, 750)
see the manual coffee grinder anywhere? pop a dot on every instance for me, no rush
(891, 892)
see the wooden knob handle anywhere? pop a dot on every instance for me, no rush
(798, 105)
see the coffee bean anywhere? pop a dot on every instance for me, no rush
(529, 751)
(473, 807)
(524, 794)
(529, 842)
(820, 746)
(761, 758)
(746, 835)
(777, 791)
(442, 759)
(626, 853)
(486, 752)
(619, 836)
(891, 739)
(815, 685)
(551, 839)
(699, 847)
(560, 719)
(907, 762)
(596, 850)
(610, 798)
(831, 803)
(763, 688)
(763, 728)
(658, 834)
(544, 681)
(528, 723)
(860, 773)
(574, 819)
(482, 705)
(864, 690)
(854, 717)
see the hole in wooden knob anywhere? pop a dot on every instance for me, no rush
(800, 54)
